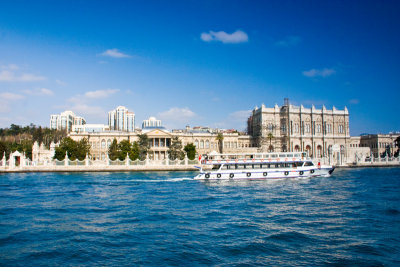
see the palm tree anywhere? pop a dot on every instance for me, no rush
(220, 138)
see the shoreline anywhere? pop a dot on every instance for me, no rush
(101, 169)
(151, 168)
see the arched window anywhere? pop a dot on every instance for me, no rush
(103, 155)
(308, 150)
(319, 151)
(284, 148)
(318, 128)
(201, 144)
(270, 149)
(296, 127)
(196, 143)
(296, 148)
(207, 144)
(108, 143)
(307, 128)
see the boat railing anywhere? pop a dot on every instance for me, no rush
(256, 158)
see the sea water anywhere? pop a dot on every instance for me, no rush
(167, 218)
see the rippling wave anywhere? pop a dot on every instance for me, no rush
(167, 218)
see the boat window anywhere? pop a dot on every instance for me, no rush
(216, 167)
(240, 166)
(289, 155)
(282, 155)
(309, 163)
(273, 156)
(226, 167)
(297, 155)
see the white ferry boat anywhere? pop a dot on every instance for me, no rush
(260, 166)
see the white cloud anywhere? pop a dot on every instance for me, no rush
(6, 98)
(83, 109)
(101, 93)
(319, 73)
(235, 120)
(59, 82)
(289, 41)
(78, 104)
(176, 117)
(10, 67)
(4, 108)
(221, 36)
(9, 76)
(115, 53)
(10, 96)
(41, 92)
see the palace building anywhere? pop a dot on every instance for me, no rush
(322, 133)
(296, 128)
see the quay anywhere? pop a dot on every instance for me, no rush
(18, 162)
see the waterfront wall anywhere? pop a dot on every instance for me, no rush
(17, 162)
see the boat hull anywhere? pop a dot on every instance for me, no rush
(265, 174)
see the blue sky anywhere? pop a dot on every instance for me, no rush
(199, 62)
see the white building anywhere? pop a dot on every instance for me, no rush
(120, 119)
(151, 123)
(65, 121)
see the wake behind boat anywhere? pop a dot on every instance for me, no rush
(260, 166)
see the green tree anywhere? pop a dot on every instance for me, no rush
(124, 147)
(82, 149)
(220, 139)
(144, 146)
(37, 135)
(113, 150)
(3, 148)
(75, 150)
(190, 150)
(175, 149)
(66, 145)
(134, 153)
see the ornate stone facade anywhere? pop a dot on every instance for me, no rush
(160, 141)
(293, 128)
(380, 143)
